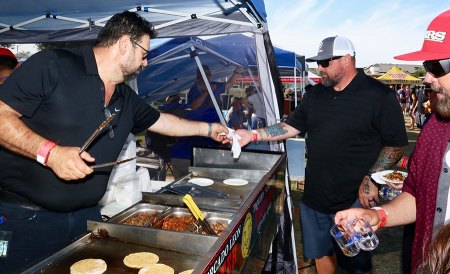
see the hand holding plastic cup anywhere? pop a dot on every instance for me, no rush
(355, 235)
(367, 238)
(346, 239)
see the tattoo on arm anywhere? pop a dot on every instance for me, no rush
(275, 130)
(366, 188)
(388, 157)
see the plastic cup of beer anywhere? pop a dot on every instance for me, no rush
(346, 239)
(367, 238)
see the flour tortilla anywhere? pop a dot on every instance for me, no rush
(140, 259)
(157, 269)
(88, 266)
(189, 271)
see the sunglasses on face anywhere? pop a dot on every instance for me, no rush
(146, 52)
(325, 63)
(437, 68)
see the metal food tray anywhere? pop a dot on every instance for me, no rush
(218, 217)
(172, 212)
(213, 217)
(137, 209)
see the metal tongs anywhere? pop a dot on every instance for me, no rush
(198, 215)
(94, 135)
(115, 163)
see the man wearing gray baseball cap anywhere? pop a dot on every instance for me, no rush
(355, 127)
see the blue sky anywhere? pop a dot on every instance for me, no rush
(379, 29)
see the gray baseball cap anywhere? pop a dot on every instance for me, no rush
(332, 47)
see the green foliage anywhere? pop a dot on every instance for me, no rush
(420, 72)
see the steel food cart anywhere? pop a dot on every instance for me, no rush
(248, 213)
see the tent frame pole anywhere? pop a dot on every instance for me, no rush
(208, 87)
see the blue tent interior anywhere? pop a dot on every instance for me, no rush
(172, 68)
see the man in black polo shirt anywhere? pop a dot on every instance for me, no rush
(355, 127)
(48, 109)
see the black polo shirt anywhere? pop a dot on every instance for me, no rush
(346, 132)
(61, 97)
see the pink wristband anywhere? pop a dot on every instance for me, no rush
(44, 152)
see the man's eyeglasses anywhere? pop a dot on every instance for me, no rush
(325, 63)
(146, 52)
(437, 68)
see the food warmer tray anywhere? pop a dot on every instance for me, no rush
(112, 241)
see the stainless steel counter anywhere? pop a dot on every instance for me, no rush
(249, 211)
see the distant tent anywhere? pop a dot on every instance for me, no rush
(314, 78)
(397, 76)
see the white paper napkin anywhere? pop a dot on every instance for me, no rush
(235, 148)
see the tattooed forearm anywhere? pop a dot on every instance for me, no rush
(388, 157)
(366, 188)
(275, 130)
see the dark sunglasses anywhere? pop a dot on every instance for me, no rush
(325, 63)
(146, 52)
(437, 68)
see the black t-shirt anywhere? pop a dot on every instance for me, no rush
(61, 97)
(346, 132)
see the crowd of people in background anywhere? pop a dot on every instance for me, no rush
(416, 102)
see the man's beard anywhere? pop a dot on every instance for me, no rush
(443, 104)
(130, 75)
(331, 82)
(128, 70)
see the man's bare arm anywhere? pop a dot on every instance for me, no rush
(388, 157)
(277, 132)
(15, 135)
(172, 125)
(400, 211)
(19, 138)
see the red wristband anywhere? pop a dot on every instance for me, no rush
(44, 152)
(404, 162)
(255, 136)
(382, 215)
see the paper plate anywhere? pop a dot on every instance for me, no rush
(201, 181)
(235, 182)
(380, 178)
(385, 173)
